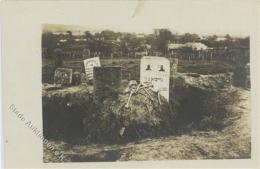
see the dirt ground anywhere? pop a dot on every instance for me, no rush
(232, 142)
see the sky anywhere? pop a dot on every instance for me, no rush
(205, 17)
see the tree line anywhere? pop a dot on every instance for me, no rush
(108, 42)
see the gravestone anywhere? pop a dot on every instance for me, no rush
(107, 82)
(156, 71)
(63, 76)
(89, 64)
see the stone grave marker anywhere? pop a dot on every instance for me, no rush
(89, 64)
(106, 82)
(63, 76)
(156, 71)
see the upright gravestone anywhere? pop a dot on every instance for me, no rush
(107, 82)
(63, 76)
(156, 71)
(89, 65)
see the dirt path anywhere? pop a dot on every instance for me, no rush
(232, 142)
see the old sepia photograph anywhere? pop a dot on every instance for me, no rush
(130, 84)
(161, 94)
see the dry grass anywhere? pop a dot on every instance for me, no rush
(131, 67)
(232, 142)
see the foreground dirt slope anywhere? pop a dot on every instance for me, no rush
(232, 142)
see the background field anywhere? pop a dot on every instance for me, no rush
(223, 132)
(131, 67)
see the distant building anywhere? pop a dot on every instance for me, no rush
(173, 46)
(118, 39)
(80, 40)
(203, 37)
(140, 35)
(192, 45)
(63, 40)
(147, 46)
(196, 46)
(221, 39)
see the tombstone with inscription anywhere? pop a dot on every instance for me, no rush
(63, 76)
(89, 65)
(156, 72)
(107, 82)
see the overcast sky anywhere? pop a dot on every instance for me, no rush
(198, 16)
(201, 16)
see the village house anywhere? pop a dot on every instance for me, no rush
(191, 45)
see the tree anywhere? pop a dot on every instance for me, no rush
(129, 42)
(149, 39)
(228, 37)
(187, 37)
(70, 37)
(210, 41)
(243, 42)
(164, 36)
(57, 55)
(97, 36)
(108, 35)
(49, 42)
(88, 35)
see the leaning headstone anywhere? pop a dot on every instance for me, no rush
(89, 64)
(107, 81)
(63, 76)
(156, 71)
(174, 67)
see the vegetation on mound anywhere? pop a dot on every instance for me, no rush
(233, 141)
(70, 114)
